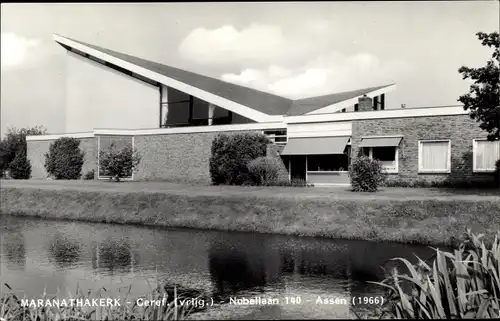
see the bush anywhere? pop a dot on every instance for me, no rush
(460, 285)
(118, 164)
(264, 170)
(89, 175)
(366, 174)
(13, 144)
(497, 173)
(64, 159)
(454, 183)
(232, 153)
(464, 183)
(407, 183)
(20, 167)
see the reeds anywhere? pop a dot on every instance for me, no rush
(460, 285)
(13, 308)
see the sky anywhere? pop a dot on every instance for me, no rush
(293, 49)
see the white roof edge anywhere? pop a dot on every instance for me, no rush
(191, 130)
(57, 136)
(222, 102)
(352, 101)
(162, 131)
(378, 114)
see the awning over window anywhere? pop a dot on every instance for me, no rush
(315, 145)
(380, 141)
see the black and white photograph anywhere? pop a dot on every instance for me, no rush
(250, 160)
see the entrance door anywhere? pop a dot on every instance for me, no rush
(298, 167)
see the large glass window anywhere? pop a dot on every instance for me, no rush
(327, 163)
(434, 156)
(388, 156)
(277, 136)
(486, 153)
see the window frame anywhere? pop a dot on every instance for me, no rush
(474, 149)
(272, 137)
(346, 170)
(433, 171)
(396, 160)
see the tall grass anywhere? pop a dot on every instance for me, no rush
(12, 308)
(463, 284)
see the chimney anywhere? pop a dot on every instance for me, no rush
(365, 103)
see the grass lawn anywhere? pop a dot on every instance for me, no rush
(426, 216)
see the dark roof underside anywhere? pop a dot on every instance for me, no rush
(258, 100)
(306, 105)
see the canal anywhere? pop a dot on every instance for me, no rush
(57, 256)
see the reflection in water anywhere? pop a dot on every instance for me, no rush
(233, 269)
(114, 255)
(64, 250)
(221, 264)
(15, 251)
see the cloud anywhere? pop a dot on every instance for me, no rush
(256, 43)
(323, 74)
(16, 49)
(295, 62)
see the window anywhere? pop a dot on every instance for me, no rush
(327, 163)
(277, 136)
(388, 156)
(485, 154)
(434, 156)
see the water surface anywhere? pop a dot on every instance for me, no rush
(56, 256)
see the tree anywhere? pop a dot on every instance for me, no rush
(483, 99)
(118, 164)
(14, 143)
(20, 167)
(64, 159)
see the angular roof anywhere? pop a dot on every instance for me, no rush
(251, 103)
(267, 103)
(306, 105)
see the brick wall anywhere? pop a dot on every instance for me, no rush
(274, 150)
(175, 157)
(460, 129)
(38, 149)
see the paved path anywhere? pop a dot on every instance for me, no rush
(252, 191)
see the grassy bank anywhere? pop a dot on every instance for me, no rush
(433, 220)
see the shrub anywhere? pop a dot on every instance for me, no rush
(20, 167)
(460, 285)
(118, 164)
(13, 144)
(264, 170)
(64, 159)
(89, 175)
(464, 183)
(407, 183)
(231, 155)
(366, 174)
(497, 173)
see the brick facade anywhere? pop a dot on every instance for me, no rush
(460, 129)
(274, 151)
(36, 151)
(175, 157)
